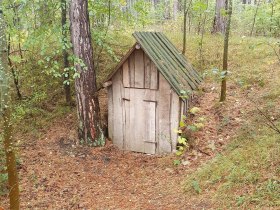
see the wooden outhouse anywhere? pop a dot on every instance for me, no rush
(144, 95)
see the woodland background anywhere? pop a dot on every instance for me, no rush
(243, 172)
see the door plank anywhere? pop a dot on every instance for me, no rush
(139, 121)
(150, 127)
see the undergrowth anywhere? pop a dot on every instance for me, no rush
(245, 175)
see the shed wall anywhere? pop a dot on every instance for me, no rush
(143, 109)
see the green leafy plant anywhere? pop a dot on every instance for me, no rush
(196, 186)
(177, 162)
(240, 200)
(184, 126)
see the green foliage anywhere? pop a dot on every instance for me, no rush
(240, 167)
(196, 187)
(183, 145)
(112, 23)
(185, 126)
(240, 200)
(176, 162)
(3, 174)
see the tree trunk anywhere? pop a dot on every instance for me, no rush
(14, 74)
(219, 24)
(184, 27)
(271, 16)
(186, 11)
(5, 112)
(255, 16)
(89, 129)
(66, 73)
(175, 9)
(202, 35)
(225, 56)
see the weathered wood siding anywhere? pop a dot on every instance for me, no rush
(139, 71)
(110, 112)
(143, 108)
(118, 89)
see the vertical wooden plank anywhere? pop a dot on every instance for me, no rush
(183, 108)
(154, 77)
(132, 69)
(174, 118)
(126, 79)
(126, 113)
(164, 104)
(139, 68)
(150, 127)
(110, 112)
(139, 121)
(147, 71)
(117, 109)
(131, 135)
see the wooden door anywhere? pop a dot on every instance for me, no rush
(140, 122)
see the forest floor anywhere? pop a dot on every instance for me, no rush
(233, 162)
(57, 173)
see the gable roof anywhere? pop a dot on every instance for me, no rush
(169, 61)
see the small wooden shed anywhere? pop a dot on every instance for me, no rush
(144, 103)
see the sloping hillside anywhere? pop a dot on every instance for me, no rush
(233, 163)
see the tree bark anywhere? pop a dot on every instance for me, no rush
(66, 73)
(255, 16)
(15, 76)
(175, 9)
(89, 129)
(186, 11)
(5, 113)
(225, 56)
(271, 16)
(219, 23)
(202, 35)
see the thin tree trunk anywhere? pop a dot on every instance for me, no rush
(175, 9)
(186, 11)
(66, 74)
(17, 25)
(225, 56)
(190, 21)
(89, 129)
(199, 24)
(15, 77)
(271, 16)
(219, 23)
(255, 16)
(202, 36)
(184, 27)
(5, 112)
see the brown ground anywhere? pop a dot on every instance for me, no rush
(56, 173)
